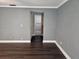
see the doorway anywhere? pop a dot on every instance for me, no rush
(37, 26)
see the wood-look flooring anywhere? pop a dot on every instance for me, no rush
(30, 51)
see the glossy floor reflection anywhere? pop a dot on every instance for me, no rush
(30, 51)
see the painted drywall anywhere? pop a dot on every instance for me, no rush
(50, 25)
(67, 30)
(15, 23)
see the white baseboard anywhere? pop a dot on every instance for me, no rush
(63, 51)
(44, 41)
(49, 41)
(23, 41)
(14, 41)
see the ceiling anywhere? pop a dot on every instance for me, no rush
(41, 3)
(50, 3)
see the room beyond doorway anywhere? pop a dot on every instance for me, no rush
(37, 26)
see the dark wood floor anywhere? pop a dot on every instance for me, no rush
(30, 51)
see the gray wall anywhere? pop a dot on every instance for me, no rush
(67, 30)
(11, 18)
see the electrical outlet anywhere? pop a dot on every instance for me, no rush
(61, 43)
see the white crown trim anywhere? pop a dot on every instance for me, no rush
(43, 7)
